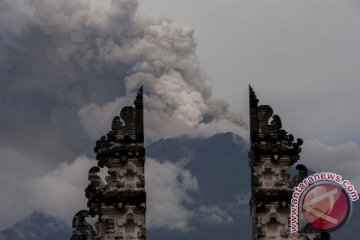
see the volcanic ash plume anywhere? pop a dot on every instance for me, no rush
(161, 56)
(81, 56)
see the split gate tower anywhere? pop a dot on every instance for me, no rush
(120, 201)
(272, 152)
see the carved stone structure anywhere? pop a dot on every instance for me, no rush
(272, 152)
(120, 202)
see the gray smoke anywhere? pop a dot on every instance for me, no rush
(177, 92)
(66, 70)
(57, 57)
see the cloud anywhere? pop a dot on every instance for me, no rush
(214, 214)
(169, 99)
(61, 193)
(158, 124)
(167, 187)
(17, 171)
(97, 119)
(343, 159)
(50, 67)
(176, 90)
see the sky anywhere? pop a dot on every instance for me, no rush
(67, 67)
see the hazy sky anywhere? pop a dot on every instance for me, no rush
(66, 69)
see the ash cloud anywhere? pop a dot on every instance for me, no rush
(66, 70)
(177, 92)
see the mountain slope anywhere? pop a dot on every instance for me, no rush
(37, 227)
(221, 167)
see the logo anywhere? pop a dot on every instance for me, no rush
(323, 201)
(326, 206)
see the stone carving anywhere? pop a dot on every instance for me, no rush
(93, 190)
(83, 230)
(120, 201)
(302, 173)
(271, 154)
